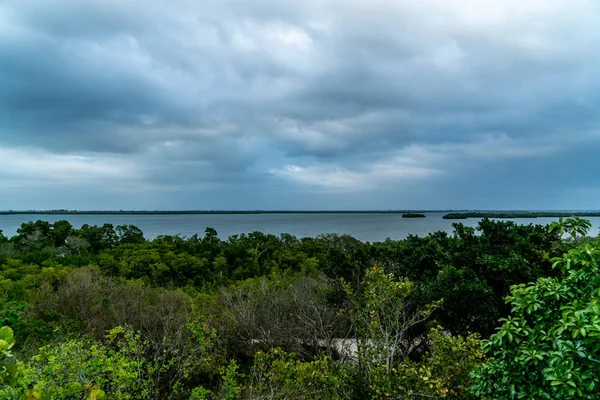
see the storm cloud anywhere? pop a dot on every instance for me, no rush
(328, 104)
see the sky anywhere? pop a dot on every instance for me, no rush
(314, 104)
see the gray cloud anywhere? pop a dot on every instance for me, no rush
(188, 104)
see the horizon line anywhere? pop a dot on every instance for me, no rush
(275, 211)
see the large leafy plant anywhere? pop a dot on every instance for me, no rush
(549, 348)
(7, 368)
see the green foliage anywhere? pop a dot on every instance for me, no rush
(183, 364)
(230, 387)
(11, 314)
(472, 270)
(382, 316)
(548, 348)
(573, 226)
(129, 234)
(98, 237)
(413, 215)
(339, 256)
(7, 368)
(519, 214)
(189, 304)
(123, 366)
(280, 375)
(32, 332)
(200, 393)
(180, 348)
(84, 367)
(444, 370)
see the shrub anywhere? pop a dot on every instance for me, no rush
(548, 347)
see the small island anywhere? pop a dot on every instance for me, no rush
(413, 215)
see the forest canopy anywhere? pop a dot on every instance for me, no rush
(498, 311)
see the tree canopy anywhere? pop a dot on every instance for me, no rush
(498, 311)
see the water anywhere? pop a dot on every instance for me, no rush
(366, 227)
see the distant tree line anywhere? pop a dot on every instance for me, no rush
(520, 214)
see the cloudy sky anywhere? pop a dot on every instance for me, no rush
(313, 104)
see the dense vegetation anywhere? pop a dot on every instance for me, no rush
(519, 214)
(413, 215)
(100, 312)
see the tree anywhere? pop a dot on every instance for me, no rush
(279, 375)
(130, 234)
(59, 231)
(32, 236)
(382, 316)
(261, 314)
(574, 226)
(177, 346)
(471, 270)
(85, 368)
(339, 256)
(444, 369)
(98, 237)
(548, 348)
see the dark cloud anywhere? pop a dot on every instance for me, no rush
(187, 104)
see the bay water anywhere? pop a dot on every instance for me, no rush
(370, 227)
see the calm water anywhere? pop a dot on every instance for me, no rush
(366, 227)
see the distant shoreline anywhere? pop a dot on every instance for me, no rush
(451, 214)
(521, 214)
(188, 212)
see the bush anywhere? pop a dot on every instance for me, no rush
(85, 367)
(280, 375)
(548, 347)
